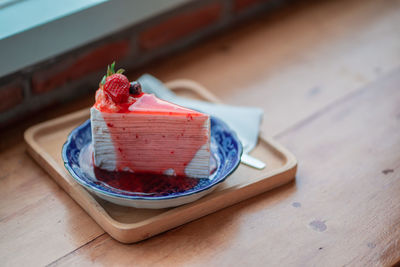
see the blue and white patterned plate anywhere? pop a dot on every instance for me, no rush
(226, 149)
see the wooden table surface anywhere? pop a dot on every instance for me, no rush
(327, 74)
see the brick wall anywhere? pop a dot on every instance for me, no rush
(77, 72)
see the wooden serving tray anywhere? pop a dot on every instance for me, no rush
(128, 225)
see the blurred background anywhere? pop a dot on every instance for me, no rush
(55, 51)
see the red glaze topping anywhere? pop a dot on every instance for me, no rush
(105, 103)
(142, 103)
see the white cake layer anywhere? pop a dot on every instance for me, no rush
(160, 129)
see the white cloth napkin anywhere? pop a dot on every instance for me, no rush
(245, 121)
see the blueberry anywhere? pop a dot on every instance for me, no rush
(135, 88)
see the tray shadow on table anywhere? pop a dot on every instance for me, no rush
(205, 228)
(124, 214)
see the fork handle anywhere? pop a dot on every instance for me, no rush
(252, 161)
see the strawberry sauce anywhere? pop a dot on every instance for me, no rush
(145, 183)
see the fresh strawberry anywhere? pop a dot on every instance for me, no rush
(117, 87)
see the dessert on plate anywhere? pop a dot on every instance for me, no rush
(140, 133)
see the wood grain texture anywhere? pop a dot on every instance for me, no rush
(295, 63)
(342, 210)
(34, 210)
